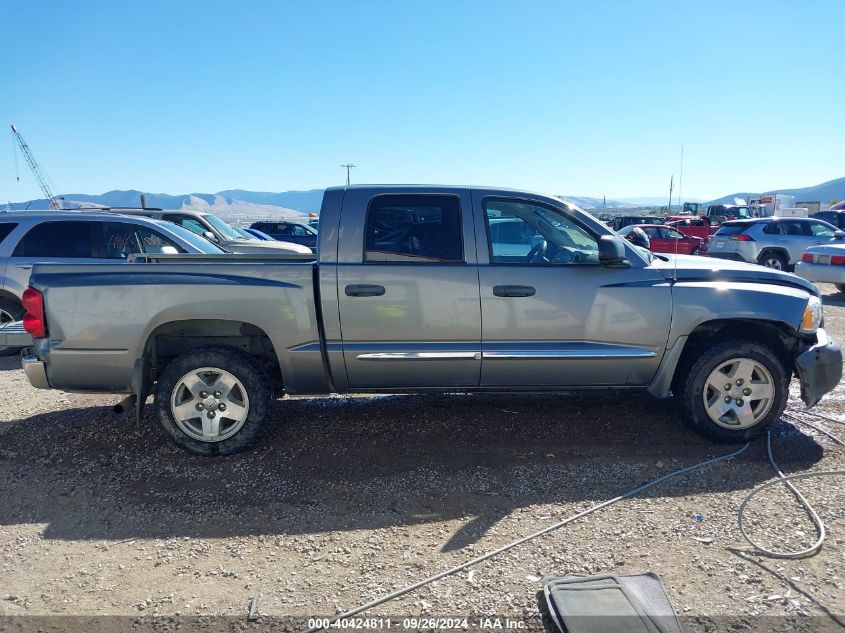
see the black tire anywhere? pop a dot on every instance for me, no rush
(774, 260)
(840, 287)
(694, 251)
(692, 388)
(240, 365)
(10, 310)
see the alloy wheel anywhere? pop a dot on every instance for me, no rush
(209, 404)
(738, 393)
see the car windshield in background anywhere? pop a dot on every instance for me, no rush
(224, 229)
(200, 243)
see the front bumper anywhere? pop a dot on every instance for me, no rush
(819, 368)
(34, 369)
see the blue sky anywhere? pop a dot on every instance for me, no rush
(582, 98)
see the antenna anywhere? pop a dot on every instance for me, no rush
(348, 166)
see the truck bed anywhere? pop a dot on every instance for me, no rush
(102, 317)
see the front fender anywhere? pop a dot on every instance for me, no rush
(697, 302)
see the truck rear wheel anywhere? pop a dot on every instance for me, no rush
(213, 401)
(734, 391)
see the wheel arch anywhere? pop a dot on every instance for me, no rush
(173, 338)
(777, 250)
(779, 336)
(10, 296)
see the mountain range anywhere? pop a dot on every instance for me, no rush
(239, 202)
(824, 193)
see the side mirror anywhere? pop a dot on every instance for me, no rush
(839, 235)
(169, 250)
(211, 237)
(611, 250)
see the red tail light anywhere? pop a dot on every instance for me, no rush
(837, 260)
(33, 320)
(807, 257)
(742, 238)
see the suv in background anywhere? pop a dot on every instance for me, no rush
(836, 218)
(773, 242)
(289, 231)
(30, 237)
(621, 221)
(217, 231)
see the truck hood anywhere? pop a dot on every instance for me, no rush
(251, 246)
(694, 268)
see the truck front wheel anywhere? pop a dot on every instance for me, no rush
(213, 401)
(734, 391)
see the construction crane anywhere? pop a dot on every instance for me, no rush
(43, 179)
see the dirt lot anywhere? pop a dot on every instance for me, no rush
(351, 498)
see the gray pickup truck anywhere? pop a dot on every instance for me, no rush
(412, 291)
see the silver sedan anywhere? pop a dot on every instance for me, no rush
(824, 264)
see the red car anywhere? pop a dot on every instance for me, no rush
(665, 239)
(693, 226)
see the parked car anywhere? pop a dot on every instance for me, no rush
(29, 237)
(693, 226)
(621, 221)
(664, 239)
(259, 234)
(215, 230)
(824, 264)
(773, 242)
(835, 217)
(415, 298)
(289, 231)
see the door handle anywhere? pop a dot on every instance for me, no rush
(364, 290)
(514, 291)
(24, 266)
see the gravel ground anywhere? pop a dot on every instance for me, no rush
(351, 498)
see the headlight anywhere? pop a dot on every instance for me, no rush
(812, 316)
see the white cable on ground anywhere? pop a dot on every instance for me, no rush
(546, 530)
(787, 480)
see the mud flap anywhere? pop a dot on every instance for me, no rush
(141, 384)
(819, 368)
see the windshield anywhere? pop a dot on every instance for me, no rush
(741, 212)
(201, 244)
(245, 234)
(224, 229)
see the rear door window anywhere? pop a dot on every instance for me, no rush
(121, 239)
(413, 228)
(63, 239)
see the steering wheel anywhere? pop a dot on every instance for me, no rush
(537, 254)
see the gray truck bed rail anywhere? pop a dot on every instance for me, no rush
(219, 258)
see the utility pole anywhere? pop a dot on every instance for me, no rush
(681, 181)
(348, 166)
(671, 188)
